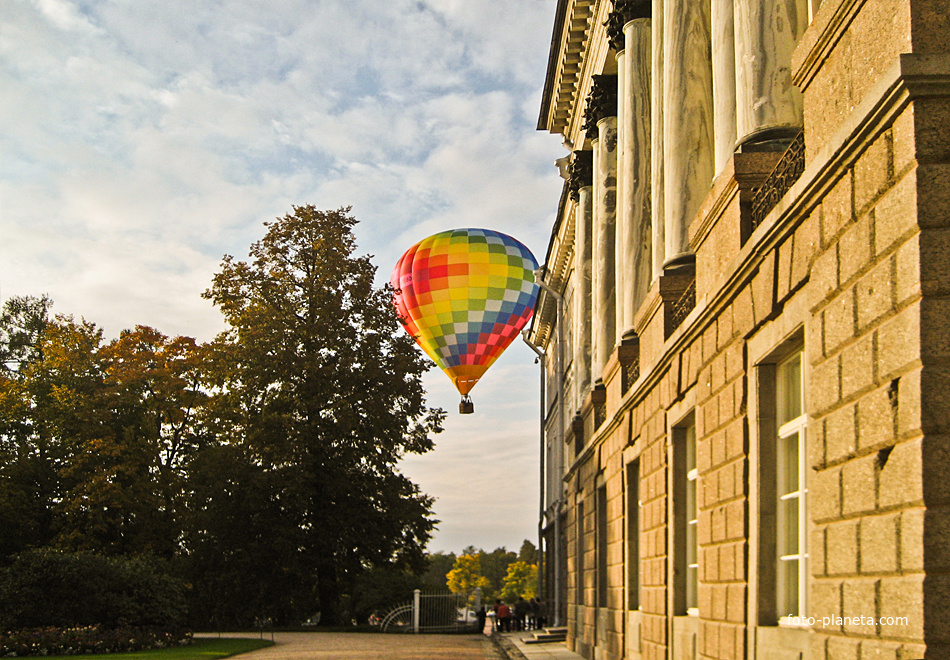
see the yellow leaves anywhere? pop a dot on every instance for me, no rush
(466, 575)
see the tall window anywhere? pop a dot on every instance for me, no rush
(791, 489)
(692, 520)
(602, 577)
(579, 554)
(686, 514)
(633, 535)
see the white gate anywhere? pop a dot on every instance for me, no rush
(439, 612)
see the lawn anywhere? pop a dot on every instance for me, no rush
(205, 648)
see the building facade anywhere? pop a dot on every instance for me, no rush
(745, 319)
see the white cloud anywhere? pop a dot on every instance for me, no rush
(143, 140)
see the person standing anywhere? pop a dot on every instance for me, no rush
(533, 614)
(542, 616)
(480, 617)
(503, 616)
(521, 612)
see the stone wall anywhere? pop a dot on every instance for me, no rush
(852, 266)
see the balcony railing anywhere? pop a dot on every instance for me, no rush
(683, 306)
(786, 172)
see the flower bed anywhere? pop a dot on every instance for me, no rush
(89, 639)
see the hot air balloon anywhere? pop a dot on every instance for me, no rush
(464, 295)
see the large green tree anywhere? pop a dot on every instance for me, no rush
(323, 392)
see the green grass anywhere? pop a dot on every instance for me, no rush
(205, 648)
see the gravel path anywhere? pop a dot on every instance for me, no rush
(370, 646)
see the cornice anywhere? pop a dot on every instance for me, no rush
(568, 49)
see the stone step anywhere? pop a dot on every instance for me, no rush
(545, 637)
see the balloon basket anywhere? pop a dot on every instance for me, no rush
(466, 407)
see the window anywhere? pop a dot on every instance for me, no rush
(686, 514)
(633, 535)
(791, 490)
(602, 577)
(579, 554)
(692, 516)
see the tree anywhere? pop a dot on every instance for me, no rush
(92, 435)
(495, 567)
(521, 580)
(439, 565)
(528, 553)
(466, 576)
(318, 384)
(23, 321)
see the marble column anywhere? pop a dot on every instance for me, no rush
(629, 32)
(615, 37)
(769, 106)
(724, 80)
(601, 127)
(604, 246)
(687, 121)
(636, 165)
(580, 184)
(657, 157)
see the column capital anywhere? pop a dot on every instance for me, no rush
(601, 102)
(624, 12)
(581, 172)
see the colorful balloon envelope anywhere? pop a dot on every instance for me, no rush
(464, 295)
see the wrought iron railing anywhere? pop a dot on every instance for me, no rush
(785, 173)
(600, 414)
(683, 306)
(630, 374)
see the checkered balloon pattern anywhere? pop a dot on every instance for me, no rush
(464, 295)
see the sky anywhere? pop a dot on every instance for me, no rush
(141, 141)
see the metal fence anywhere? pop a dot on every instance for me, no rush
(436, 612)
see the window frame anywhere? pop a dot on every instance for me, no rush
(685, 518)
(791, 432)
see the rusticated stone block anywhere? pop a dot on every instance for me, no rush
(839, 321)
(859, 606)
(854, 248)
(872, 173)
(880, 543)
(933, 195)
(876, 419)
(898, 343)
(837, 210)
(840, 434)
(875, 294)
(899, 480)
(859, 485)
(841, 539)
(857, 366)
(825, 488)
(894, 216)
(902, 607)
